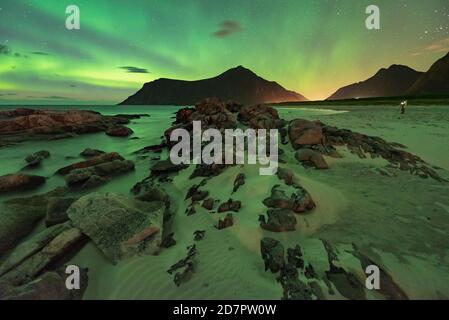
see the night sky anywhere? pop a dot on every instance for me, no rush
(310, 46)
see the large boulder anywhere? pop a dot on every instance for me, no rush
(304, 132)
(121, 227)
(20, 182)
(119, 131)
(313, 157)
(260, 117)
(165, 167)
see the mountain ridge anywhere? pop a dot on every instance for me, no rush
(238, 84)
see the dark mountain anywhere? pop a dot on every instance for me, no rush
(391, 82)
(433, 82)
(238, 84)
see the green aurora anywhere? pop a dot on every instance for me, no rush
(310, 46)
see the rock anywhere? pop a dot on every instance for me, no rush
(205, 170)
(299, 202)
(187, 266)
(60, 248)
(260, 117)
(120, 227)
(166, 166)
(49, 122)
(279, 220)
(183, 115)
(157, 148)
(20, 182)
(304, 132)
(35, 159)
(200, 195)
(48, 286)
(107, 157)
(19, 216)
(212, 113)
(208, 204)
(57, 210)
(155, 194)
(191, 210)
(31, 246)
(230, 205)
(89, 153)
(312, 156)
(168, 241)
(272, 254)
(227, 222)
(238, 182)
(97, 175)
(119, 131)
(199, 235)
(286, 175)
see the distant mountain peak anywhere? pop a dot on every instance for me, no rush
(239, 84)
(395, 80)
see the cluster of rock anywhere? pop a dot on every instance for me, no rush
(282, 208)
(29, 124)
(95, 171)
(300, 280)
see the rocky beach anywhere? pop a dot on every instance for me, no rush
(356, 186)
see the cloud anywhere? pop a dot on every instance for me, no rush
(7, 94)
(40, 53)
(435, 47)
(56, 98)
(227, 28)
(134, 69)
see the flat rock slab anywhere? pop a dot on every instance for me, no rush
(121, 227)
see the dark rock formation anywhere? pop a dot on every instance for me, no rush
(279, 220)
(20, 182)
(107, 157)
(304, 132)
(208, 204)
(229, 205)
(227, 222)
(238, 182)
(272, 252)
(119, 131)
(313, 157)
(260, 117)
(238, 84)
(187, 266)
(298, 202)
(89, 153)
(35, 159)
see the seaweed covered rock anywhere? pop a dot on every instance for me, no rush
(35, 159)
(279, 220)
(272, 252)
(121, 227)
(300, 201)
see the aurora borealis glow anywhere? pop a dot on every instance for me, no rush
(310, 46)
